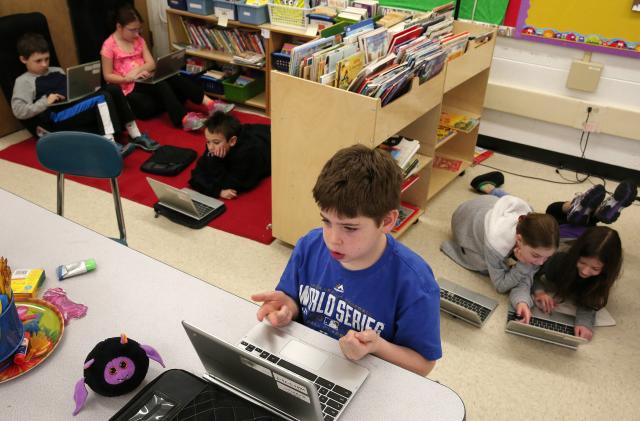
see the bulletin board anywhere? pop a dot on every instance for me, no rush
(611, 26)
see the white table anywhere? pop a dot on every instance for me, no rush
(134, 294)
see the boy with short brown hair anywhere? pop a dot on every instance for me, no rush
(351, 279)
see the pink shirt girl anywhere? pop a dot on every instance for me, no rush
(123, 61)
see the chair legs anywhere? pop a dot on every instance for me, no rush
(119, 214)
(60, 192)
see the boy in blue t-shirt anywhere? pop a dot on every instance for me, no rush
(352, 280)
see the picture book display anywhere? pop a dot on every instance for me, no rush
(443, 134)
(458, 122)
(405, 213)
(443, 163)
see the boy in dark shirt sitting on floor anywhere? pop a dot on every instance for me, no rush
(236, 157)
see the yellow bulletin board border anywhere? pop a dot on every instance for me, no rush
(594, 25)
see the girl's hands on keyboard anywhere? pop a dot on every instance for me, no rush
(523, 313)
(544, 301)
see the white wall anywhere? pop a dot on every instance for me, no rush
(544, 68)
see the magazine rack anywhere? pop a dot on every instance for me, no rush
(310, 122)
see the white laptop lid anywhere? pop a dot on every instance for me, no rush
(82, 80)
(284, 393)
(173, 198)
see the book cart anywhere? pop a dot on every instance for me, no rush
(273, 38)
(310, 122)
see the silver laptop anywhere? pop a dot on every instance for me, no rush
(280, 373)
(166, 66)
(185, 201)
(465, 304)
(82, 80)
(555, 328)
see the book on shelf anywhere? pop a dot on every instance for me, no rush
(347, 69)
(393, 18)
(249, 57)
(458, 122)
(405, 213)
(374, 44)
(449, 164)
(443, 134)
(402, 149)
(370, 5)
(408, 182)
(455, 45)
(243, 80)
(350, 16)
(480, 154)
(410, 168)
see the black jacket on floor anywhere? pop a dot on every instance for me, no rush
(246, 163)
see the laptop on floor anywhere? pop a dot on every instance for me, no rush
(555, 328)
(166, 66)
(185, 201)
(464, 304)
(280, 373)
(82, 80)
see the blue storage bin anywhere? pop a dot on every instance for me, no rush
(211, 85)
(253, 15)
(200, 7)
(221, 7)
(177, 4)
(11, 333)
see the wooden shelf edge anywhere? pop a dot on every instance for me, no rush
(440, 178)
(444, 142)
(408, 224)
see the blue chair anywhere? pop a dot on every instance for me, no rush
(85, 155)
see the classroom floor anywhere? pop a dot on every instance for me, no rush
(499, 376)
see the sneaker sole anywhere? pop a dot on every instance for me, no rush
(580, 214)
(622, 197)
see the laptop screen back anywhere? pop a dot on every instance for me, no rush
(173, 198)
(284, 393)
(169, 65)
(83, 80)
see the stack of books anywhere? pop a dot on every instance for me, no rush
(228, 41)
(249, 57)
(403, 150)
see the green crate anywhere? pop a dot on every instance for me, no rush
(236, 93)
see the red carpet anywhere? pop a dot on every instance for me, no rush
(246, 216)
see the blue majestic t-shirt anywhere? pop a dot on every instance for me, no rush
(397, 296)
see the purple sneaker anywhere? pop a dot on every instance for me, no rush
(583, 205)
(623, 196)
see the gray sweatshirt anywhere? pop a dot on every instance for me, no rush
(24, 103)
(484, 234)
(547, 281)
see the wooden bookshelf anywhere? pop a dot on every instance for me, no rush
(273, 37)
(312, 121)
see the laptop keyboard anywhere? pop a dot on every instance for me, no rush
(547, 324)
(481, 311)
(332, 397)
(202, 209)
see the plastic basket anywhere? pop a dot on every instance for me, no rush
(280, 61)
(253, 15)
(282, 15)
(11, 333)
(236, 93)
(211, 85)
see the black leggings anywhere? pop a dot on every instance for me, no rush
(148, 100)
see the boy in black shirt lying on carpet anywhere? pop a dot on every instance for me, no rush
(236, 158)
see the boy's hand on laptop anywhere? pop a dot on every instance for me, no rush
(584, 332)
(544, 301)
(228, 194)
(52, 98)
(355, 345)
(277, 307)
(523, 312)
